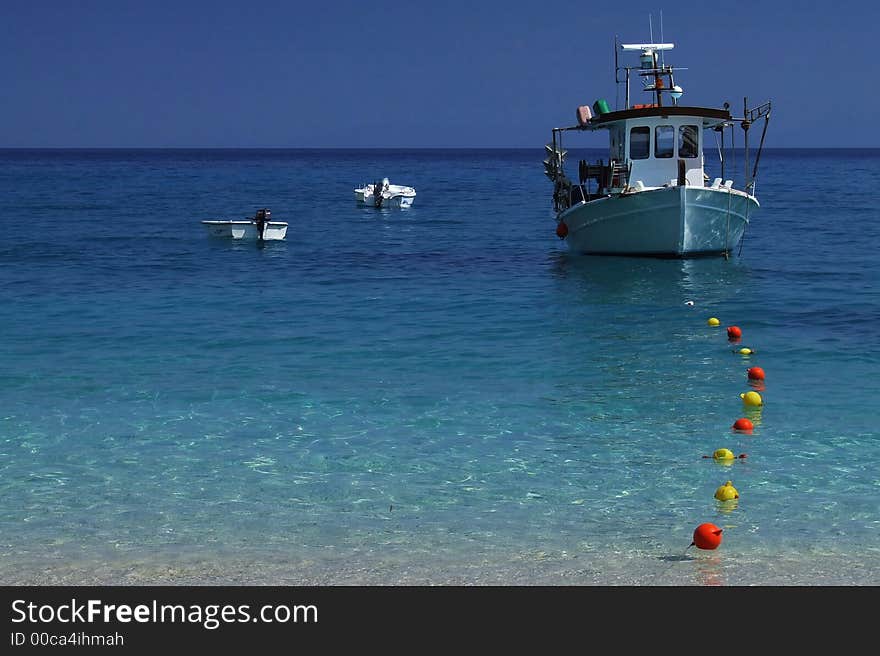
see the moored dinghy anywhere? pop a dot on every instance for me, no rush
(259, 227)
(653, 197)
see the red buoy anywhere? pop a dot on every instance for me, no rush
(707, 536)
(756, 373)
(743, 424)
(561, 230)
(733, 332)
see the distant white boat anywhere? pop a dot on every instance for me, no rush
(389, 195)
(260, 227)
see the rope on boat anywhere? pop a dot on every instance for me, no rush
(760, 150)
(727, 237)
(743, 238)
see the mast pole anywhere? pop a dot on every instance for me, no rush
(617, 79)
(760, 147)
(657, 80)
(745, 127)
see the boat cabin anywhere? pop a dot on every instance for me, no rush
(650, 146)
(657, 146)
(658, 150)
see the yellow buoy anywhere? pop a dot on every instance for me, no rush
(713, 322)
(745, 351)
(752, 399)
(723, 454)
(726, 492)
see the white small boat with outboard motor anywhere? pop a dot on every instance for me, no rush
(654, 197)
(260, 227)
(389, 195)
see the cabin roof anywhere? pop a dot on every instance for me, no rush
(709, 115)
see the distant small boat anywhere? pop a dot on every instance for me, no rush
(260, 227)
(389, 195)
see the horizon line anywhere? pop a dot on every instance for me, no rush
(2, 148)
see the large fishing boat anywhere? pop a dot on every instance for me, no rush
(653, 196)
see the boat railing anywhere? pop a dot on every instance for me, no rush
(613, 175)
(619, 174)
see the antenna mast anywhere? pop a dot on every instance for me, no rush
(616, 77)
(662, 55)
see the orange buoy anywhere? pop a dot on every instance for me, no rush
(707, 536)
(733, 332)
(756, 373)
(743, 424)
(561, 230)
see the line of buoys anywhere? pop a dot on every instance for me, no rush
(707, 535)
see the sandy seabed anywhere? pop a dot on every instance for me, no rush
(692, 567)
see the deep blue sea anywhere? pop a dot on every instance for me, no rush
(438, 395)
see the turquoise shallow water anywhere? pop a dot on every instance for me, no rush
(436, 395)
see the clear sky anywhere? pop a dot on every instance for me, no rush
(396, 73)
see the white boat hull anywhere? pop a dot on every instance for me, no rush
(679, 221)
(273, 230)
(394, 196)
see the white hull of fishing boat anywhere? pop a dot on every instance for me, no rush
(245, 229)
(677, 221)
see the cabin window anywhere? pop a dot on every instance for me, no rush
(640, 143)
(688, 141)
(664, 141)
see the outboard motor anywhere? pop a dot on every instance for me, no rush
(261, 219)
(377, 194)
